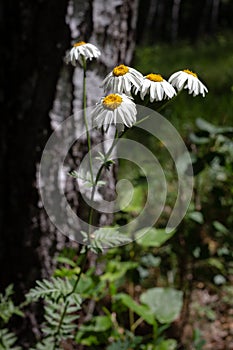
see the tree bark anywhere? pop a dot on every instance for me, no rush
(34, 42)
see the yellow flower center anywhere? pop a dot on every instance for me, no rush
(79, 43)
(190, 72)
(155, 77)
(120, 70)
(112, 101)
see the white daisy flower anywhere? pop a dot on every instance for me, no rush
(122, 79)
(80, 51)
(188, 80)
(159, 88)
(114, 109)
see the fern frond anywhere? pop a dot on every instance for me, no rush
(7, 307)
(46, 344)
(54, 289)
(7, 340)
(61, 316)
(105, 238)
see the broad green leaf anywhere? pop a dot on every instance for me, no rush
(153, 237)
(141, 310)
(166, 303)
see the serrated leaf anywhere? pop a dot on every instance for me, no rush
(60, 317)
(55, 288)
(105, 238)
(7, 340)
(46, 344)
(7, 307)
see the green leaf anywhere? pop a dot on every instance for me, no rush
(117, 269)
(105, 237)
(165, 303)
(64, 272)
(131, 341)
(196, 216)
(169, 344)
(204, 125)
(212, 129)
(141, 310)
(54, 288)
(66, 261)
(88, 341)
(137, 202)
(214, 262)
(7, 307)
(46, 344)
(149, 260)
(98, 324)
(220, 227)
(153, 237)
(61, 317)
(7, 340)
(198, 140)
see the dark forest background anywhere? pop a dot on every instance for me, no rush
(38, 90)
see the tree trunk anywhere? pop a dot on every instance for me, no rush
(175, 20)
(33, 46)
(37, 86)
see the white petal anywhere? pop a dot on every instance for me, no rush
(174, 76)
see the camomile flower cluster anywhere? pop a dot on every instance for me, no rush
(118, 108)
(82, 51)
(114, 109)
(186, 79)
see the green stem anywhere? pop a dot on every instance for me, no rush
(142, 120)
(65, 298)
(90, 218)
(85, 116)
(83, 263)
